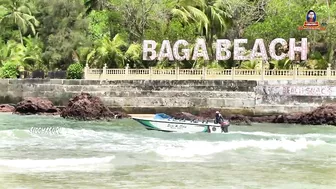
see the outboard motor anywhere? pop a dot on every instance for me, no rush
(224, 126)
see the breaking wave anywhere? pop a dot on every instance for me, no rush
(146, 144)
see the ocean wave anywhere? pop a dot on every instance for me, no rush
(93, 134)
(61, 164)
(189, 149)
(89, 133)
(110, 141)
(267, 134)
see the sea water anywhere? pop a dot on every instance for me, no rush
(51, 152)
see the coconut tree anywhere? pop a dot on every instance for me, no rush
(33, 53)
(111, 52)
(189, 10)
(219, 14)
(19, 13)
(186, 11)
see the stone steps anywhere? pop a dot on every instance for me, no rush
(49, 87)
(161, 94)
(178, 102)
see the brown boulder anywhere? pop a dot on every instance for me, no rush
(32, 105)
(262, 119)
(210, 115)
(120, 115)
(323, 115)
(6, 108)
(87, 107)
(238, 119)
(186, 116)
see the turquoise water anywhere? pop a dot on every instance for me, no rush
(122, 154)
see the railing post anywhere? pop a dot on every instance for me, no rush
(204, 72)
(329, 70)
(177, 72)
(150, 73)
(262, 71)
(256, 72)
(126, 71)
(104, 76)
(295, 72)
(233, 72)
(86, 71)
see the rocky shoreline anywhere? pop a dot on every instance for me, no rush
(87, 107)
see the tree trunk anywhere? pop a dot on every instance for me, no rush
(331, 55)
(20, 35)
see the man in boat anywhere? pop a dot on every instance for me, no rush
(220, 120)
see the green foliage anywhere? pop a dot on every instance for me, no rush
(75, 71)
(111, 52)
(281, 64)
(63, 29)
(51, 34)
(33, 54)
(98, 24)
(9, 70)
(282, 20)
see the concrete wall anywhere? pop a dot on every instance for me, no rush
(150, 96)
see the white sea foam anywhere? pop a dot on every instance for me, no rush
(62, 164)
(171, 149)
(191, 149)
(267, 134)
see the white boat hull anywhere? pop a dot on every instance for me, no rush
(179, 126)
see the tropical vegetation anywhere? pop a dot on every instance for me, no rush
(51, 35)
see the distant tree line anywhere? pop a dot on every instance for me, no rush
(50, 35)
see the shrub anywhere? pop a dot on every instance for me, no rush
(75, 71)
(9, 70)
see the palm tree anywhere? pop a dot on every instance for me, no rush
(12, 52)
(212, 16)
(219, 14)
(186, 11)
(189, 10)
(111, 52)
(19, 13)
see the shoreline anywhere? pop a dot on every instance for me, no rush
(234, 122)
(132, 115)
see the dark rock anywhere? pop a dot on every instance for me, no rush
(120, 115)
(186, 116)
(34, 105)
(6, 108)
(263, 119)
(238, 119)
(87, 107)
(210, 115)
(291, 118)
(324, 115)
(234, 119)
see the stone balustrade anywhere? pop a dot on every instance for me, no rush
(207, 74)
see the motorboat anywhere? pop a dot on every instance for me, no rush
(166, 123)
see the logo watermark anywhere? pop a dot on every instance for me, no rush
(311, 22)
(46, 130)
